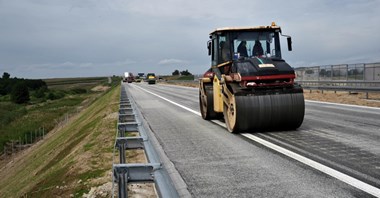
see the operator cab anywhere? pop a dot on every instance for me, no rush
(231, 44)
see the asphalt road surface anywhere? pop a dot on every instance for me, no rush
(335, 153)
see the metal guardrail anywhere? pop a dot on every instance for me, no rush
(364, 86)
(343, 72)
(123, 172)
(361, 77)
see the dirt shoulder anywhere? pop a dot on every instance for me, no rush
(344, 97)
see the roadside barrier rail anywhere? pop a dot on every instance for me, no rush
(365, 86)
(360, 77)
(130, 121)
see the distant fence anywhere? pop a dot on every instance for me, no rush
(23, 142)
(363, 77)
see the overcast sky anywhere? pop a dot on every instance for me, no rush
(77, 38)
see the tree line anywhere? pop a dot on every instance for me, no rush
(18, 88)
(182, 73)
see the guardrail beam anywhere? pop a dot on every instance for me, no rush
(136, 172)
(125, 110)
(128, 126)
(129, 117)
(130, 142)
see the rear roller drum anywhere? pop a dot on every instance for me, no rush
(207, 104)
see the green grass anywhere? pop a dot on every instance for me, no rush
(91, 174)
(25, 122)
(88, 146)
(9, 112)
(68, 82)
(190, 77)
(43, 188)
(80, 192)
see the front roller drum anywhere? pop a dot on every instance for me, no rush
(264, 112)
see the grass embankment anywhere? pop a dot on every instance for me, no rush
(25, 123)
(66, 162)
(65, 83)
(20, 122)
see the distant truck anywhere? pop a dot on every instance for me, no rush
(128, 77)
(151, 78)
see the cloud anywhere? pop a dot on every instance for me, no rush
(172, 62)
(44, 38)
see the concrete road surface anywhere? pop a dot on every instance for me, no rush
(335, 153)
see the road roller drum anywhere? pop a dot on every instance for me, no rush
(206, 100)
(265, 112)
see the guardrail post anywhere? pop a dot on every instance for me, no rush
(120, 175)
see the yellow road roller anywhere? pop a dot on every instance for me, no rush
(249, 84)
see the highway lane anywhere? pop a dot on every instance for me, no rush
(214, 162)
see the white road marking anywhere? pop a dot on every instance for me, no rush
(186, 108)
(318, 166)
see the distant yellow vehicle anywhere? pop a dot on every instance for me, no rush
(151, 78)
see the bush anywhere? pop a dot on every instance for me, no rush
(78, 91)
(40, 93)
(55, 95)
(185, 73)
(10, 112)
(6, 75)
(175, 73)
(35, 84)
(20, 93)
(7, 84)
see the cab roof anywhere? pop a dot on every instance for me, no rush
(225, 29)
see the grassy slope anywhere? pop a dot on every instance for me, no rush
(20, 122)
(64, 83)
(67, 161)
(27, 119)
